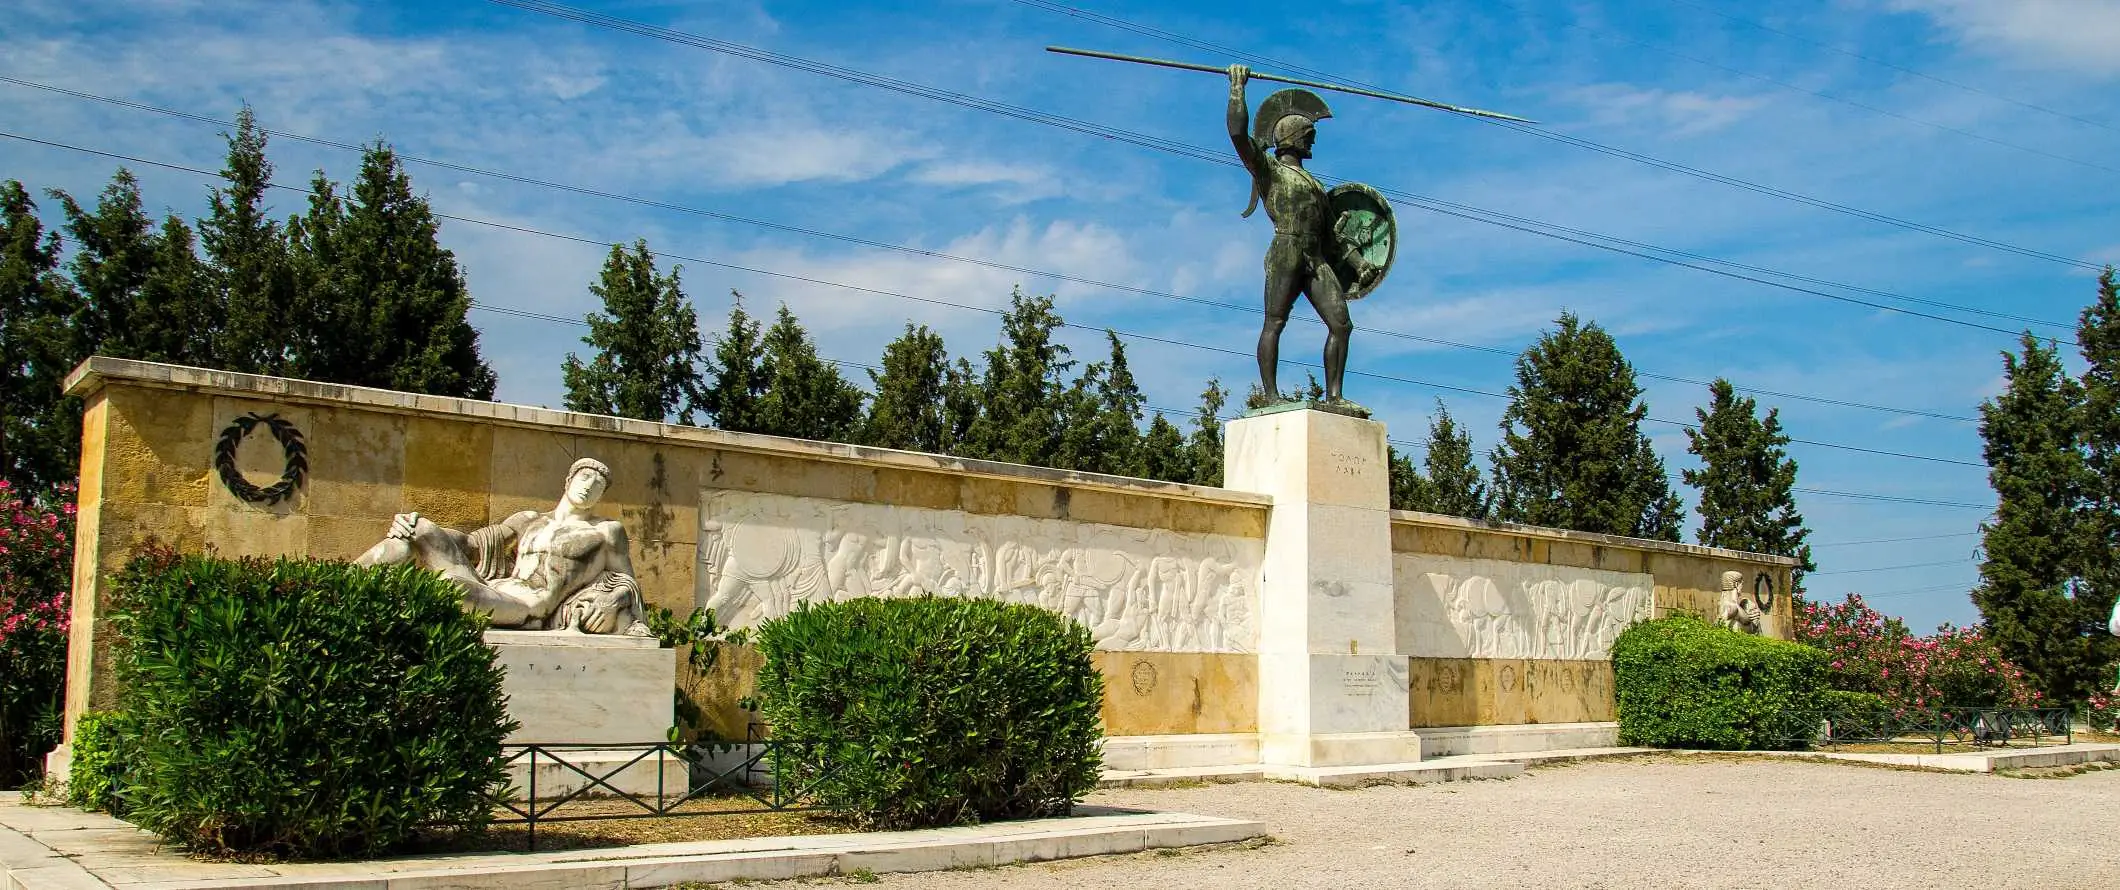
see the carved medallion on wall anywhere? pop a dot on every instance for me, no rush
(295, 465)
(1763, 591)
(1508, 678)
(1144, 677)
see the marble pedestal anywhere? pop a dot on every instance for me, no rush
(573, 690)
(1332, 687)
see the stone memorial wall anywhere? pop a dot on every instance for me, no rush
(1290, 618)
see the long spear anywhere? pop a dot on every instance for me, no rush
(1337, 88)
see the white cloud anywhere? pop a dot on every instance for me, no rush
(1015, 183)
(2073, 34)
(1676, 112)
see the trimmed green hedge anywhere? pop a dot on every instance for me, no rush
(102, 748)
(1685, 683)
(302, 708)
(907, 713)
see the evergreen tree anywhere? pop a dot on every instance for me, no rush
(40, 432)
(2032, 545)
(1022, 398)
(247, 263)
(1453, 484)
(114, 255)
(736, 376)
(1409, 489)
(962, 395)
(910, 408)
(174, 320)
(805, 397)
(1162, 454)
(2098, 336)
(1572, 453)
(647, 344)
(1746, 480)
(1203, 449)
(1100, 428)
(385, 304)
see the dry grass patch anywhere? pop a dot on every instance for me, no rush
(703, 820)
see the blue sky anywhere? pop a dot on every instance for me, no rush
(487, 86)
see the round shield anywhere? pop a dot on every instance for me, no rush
(1361, 219)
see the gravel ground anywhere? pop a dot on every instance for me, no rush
(1665, 821)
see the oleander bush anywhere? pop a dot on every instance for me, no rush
(36, 580)
(924, 711)
(1685, 683)
(302, 708)
(1953, 668)
(102, 750)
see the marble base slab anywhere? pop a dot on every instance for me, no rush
(567, 688)
(562, 773)
(1339, 748)
(1167, 752)
(1453, 741)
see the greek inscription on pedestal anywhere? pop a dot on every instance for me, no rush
(1360, 682)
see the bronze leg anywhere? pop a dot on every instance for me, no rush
(1331, 302)
(1284, 279)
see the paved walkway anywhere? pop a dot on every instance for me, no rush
(1657, 821)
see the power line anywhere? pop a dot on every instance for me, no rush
(1914, 565)
(917, 251)
(1897, 499)
(1542, 133)
(1816, 94)
(1496, 218)
(1896, 540)
(1895, 67)
(736, 267)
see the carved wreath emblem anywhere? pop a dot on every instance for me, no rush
(1763, 591)
(290, 439)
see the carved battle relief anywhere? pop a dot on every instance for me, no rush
(1149, 590)
(1450, 607)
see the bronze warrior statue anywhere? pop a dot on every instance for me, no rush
(1331, 246)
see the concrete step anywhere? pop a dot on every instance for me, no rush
(1441, 769)
(1182, 775)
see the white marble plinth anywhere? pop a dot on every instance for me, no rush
(569, 688)
(1457, 741)
(1142, 753)
(1332, 684)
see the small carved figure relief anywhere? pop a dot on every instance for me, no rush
(561, 570)
(1135, 589)
(1740, 612)
(1452, 607)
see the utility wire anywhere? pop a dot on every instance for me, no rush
(1543, 133)
(1913, 565)
(789, 276)
(1895, 67)
(1895, 540)
(917, 251)
(1522, 224)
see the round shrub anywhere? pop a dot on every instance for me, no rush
(907, 713)
(1684, 683)
(302, 708)
(102, 749)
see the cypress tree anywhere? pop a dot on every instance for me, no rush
(1100, 427)
(646, 340)
(114, 255)
(1079, 424)
(1203, 448)
(2032, 545)
(2098, 336)
(805, 397)
(1455, 485)
(247, 262)
(1162, 454)
(736, 378)
(1409, 489)
(40, 431)
(174, 320)
(1022, 396)
(963, 393)
(1572, 453)
(1746, 480)
(909, 410)
(384, 304)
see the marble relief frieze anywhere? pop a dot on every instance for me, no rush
(1452, 607)
(1135, 589)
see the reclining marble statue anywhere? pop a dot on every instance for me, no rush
(564, 570)
(1739, 612)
